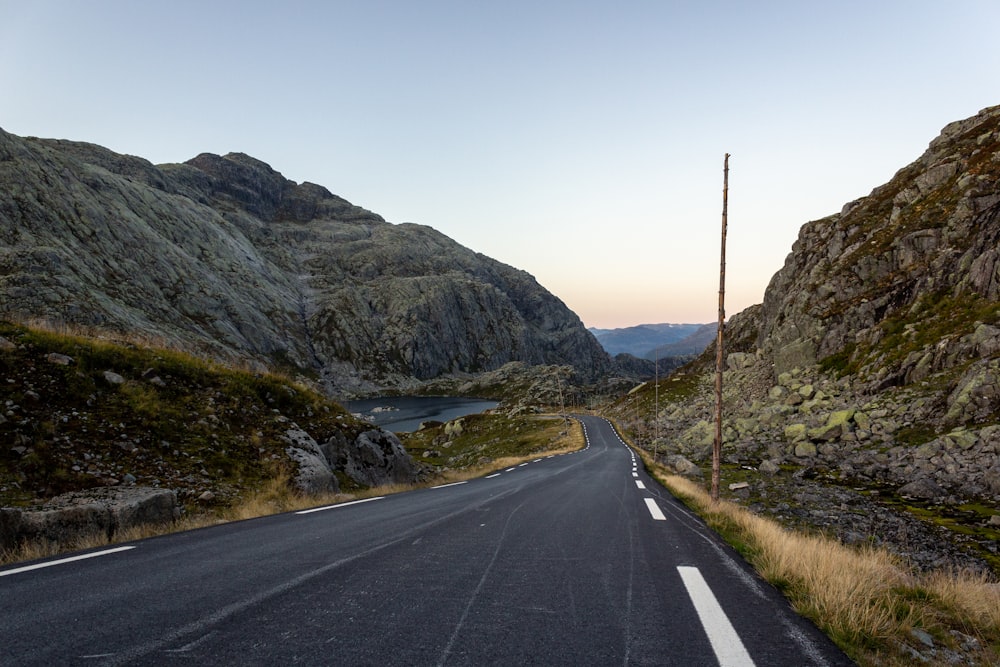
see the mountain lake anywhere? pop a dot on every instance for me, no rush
(405, 413)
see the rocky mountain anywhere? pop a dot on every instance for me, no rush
(225, 256)
(873, 364)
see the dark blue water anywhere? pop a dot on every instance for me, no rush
(405, 413)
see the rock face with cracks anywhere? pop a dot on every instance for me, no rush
(225, 256)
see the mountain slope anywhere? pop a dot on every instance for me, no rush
(224, 255)
(873, 362)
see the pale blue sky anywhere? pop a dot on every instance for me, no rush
(580, 141)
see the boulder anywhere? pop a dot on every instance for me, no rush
(113, 378)
(826, 433)
(923, 488)
(375, 458)
(805, 450)
(682, 466)
(59, 359)
(768, 467)
(313, 473)
(841, 418)
(795, 432)
(80, 515)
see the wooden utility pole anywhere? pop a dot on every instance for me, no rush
(717, 446)
(656, 401)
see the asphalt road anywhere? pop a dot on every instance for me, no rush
(577, 559)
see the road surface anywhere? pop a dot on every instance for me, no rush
(578, 559)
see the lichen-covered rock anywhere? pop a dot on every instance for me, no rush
(805, 450)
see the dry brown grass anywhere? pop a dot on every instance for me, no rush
(865, 599)
(99, 334)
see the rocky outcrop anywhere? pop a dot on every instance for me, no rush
(313, 474)
(880, 331)
(898, 281)
(100, 512)
(224, 255)
(874, 360)
(375, 458)
(140, 421)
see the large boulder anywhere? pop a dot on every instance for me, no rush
(922, 488)
(313, 473)
(375, 458)
(81, 515)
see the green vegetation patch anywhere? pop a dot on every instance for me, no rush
(478, 440)
(841, 363)
(934, 317)
(102, 413)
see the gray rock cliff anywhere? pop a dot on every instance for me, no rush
(224, 255)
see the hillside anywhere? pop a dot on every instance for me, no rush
(82, 413)
(863, 396)
(103, 435)
(224, 256)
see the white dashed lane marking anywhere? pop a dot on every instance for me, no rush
(333, 507)
(725, 642)
(655, 510)
(444, 486)
(38, 566)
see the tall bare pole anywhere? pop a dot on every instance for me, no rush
(717, 446)
(656, 401)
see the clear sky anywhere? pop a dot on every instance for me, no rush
(580, 141)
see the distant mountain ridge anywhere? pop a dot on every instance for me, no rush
(223, 254)
(648, 341)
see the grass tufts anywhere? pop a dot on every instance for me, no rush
(865, 599)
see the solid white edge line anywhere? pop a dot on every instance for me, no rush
(655, 510)
(444, 486)
(728, 647)
(639, 484)
(496, 474)
(333, 507)
(61, 561)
